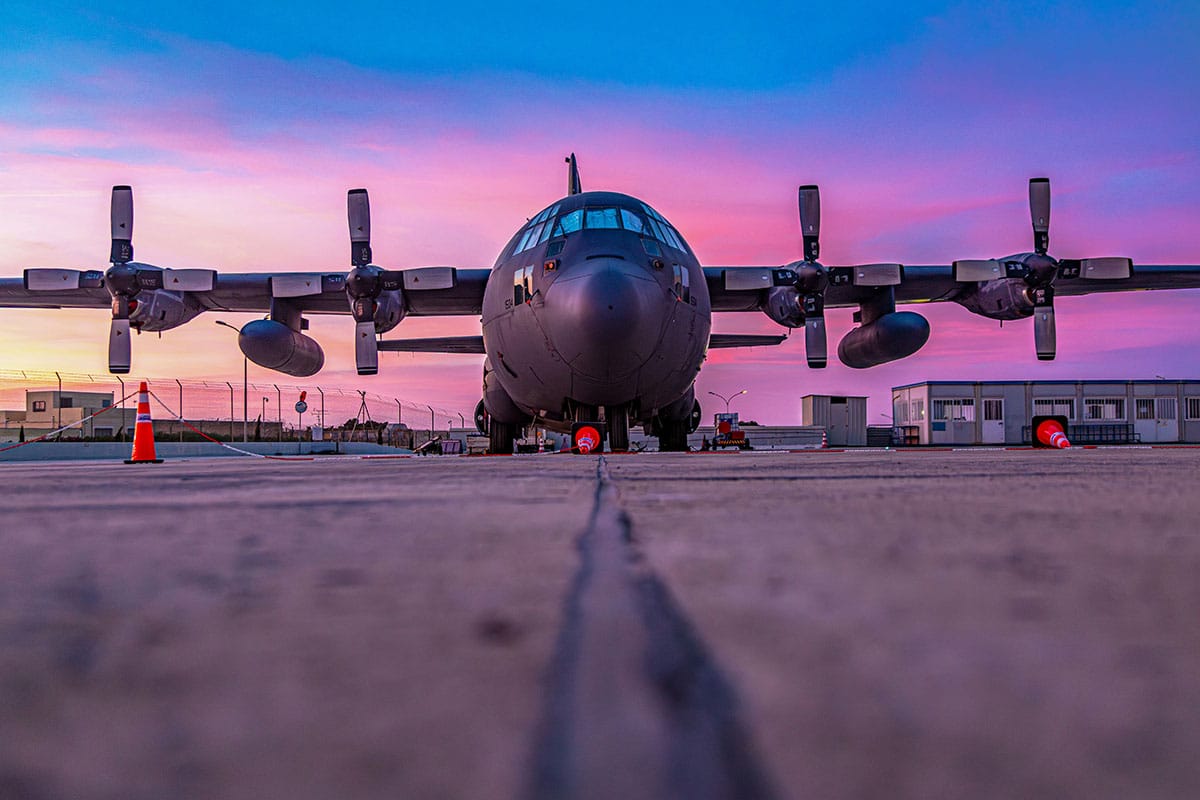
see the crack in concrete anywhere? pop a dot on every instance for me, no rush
(635, 705)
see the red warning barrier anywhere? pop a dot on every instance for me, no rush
(143, 431)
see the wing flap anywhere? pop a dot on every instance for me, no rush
(443, 344)
(721, 340)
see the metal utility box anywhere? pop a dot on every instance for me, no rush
(843, 418)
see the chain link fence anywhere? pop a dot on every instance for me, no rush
(33, 403)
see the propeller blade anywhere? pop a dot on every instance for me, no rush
(358, 212)
(366, 348)
(188, 280)
(810, 221)
(969, 270)
(1044, 340)
(1106, 269)
(51, 280)
(121, 215)
(876, 275)
(1039, 212)
(118, 347)
(816, 347)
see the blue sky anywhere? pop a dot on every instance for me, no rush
(241, 127)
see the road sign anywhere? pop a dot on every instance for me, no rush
(301, 407)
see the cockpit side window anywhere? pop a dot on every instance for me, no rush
(569, 223)
(632, 221)
(682, 288)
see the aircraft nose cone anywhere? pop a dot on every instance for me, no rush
(603, 321)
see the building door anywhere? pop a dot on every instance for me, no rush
(993, 421)
(1156, 419)
(839, 422)
(1143, 419)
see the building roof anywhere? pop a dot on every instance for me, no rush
(1152, 382)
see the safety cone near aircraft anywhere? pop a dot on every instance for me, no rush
(1050, 433)
(586, 438)
(143, 431)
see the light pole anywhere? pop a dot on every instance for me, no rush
(728, 399)
(245, 385)
(279, 411)
(462, 420)
(263, 418)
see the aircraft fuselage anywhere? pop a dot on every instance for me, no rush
(597, 301)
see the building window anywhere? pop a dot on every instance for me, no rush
(1192, 408)
(39, 405)
(1165, 408)
(957, 410)
(993, 410)
(917, 410)
(899, 411)
(1143, 408)
(1104, 409)
(1054, 407)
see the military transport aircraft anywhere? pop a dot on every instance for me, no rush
(596, 310)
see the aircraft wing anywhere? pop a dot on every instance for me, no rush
(453, 291)
(745, 288)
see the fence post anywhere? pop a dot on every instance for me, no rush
(230, 385)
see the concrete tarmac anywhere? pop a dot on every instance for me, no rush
(835, 625)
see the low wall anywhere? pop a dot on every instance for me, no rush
(119, 451)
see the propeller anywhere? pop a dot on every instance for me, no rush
(126, 278)
(365, 282)
(812, 278)
(121, 278)
(1040, 270)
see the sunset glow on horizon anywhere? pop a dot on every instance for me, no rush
(921, 127)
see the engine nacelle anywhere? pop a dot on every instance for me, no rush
(161, 310)
(890, 337)
(1005, 298)
(783, 306)
(499, 404)
(275, 346)
(389, 310)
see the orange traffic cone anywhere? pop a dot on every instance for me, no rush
(824, 439)
(143, 431)
(1051, 434)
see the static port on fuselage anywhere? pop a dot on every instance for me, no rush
(597, 301)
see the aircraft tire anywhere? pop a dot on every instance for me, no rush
(501, 437)
(617, 419)
(672, 437)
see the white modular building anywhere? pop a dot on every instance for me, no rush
(1000, 412)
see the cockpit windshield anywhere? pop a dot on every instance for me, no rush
(640, 219)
